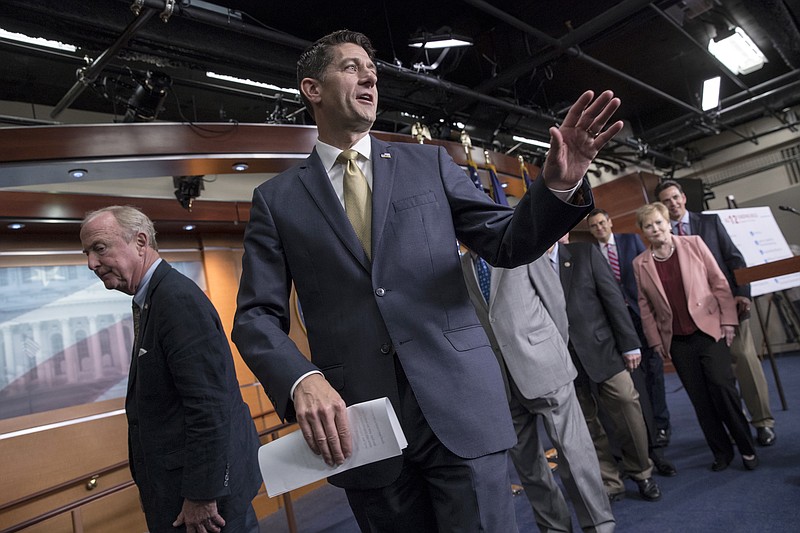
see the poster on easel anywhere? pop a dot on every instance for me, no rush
(756, 234)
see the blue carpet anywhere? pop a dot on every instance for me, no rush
(766, 500)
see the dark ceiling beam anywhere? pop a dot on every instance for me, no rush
(560, 46)
(87, 75)
(731, 103)
(227, 21)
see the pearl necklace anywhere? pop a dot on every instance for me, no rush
(662, 259)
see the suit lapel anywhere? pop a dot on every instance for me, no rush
(384, 162)
(684, 262)
(315, 179)
(497, 274)
(564, 267)
(649, 266)
(158, 275)
(622, 251)
(472, 281)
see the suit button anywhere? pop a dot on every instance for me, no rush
(380, 291)
(386, 348)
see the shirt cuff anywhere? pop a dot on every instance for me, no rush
(637, 351)
(301, 378)
(566, 196)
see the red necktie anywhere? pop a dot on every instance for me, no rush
(613, 260)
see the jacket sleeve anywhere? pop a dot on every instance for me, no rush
(262, 321)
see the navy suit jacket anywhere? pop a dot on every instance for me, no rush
(410, 300)
(190, 435)
(600, 327)
(709, 227)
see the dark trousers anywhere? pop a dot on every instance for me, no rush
(653, 369)
(704, 368)
(437, 490)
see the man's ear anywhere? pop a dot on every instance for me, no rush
(141, 240)
(310, 88)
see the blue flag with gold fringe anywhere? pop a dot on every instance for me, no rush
(497, 193)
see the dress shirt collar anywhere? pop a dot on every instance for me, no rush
(141, 292)
(553, 254)
(328, 154)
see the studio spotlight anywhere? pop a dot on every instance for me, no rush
(187, 188)
(148, 99)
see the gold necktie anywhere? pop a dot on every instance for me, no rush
(357, 199)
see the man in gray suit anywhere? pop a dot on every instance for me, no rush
(605, 348)
(525, 318)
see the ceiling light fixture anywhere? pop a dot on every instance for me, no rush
(38, 41)
(16, 225)
(531, 141)
(240, 167)
(252, 83)
(189, 227)
(711, 93)
(78, 173)
(737, 51)
(431, 41)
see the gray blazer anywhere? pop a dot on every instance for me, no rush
(526, 321)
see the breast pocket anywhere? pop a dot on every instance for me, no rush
(414, 201)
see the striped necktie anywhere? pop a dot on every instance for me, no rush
(613, 260)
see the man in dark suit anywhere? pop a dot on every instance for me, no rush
(384, 300)
(525, 317)
(620, 249)
(192, 442)
(605, 349)
(746, 364)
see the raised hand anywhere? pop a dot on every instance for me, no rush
(577, 140)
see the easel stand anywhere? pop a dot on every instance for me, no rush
(766, 271)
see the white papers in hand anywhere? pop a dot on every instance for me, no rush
(288, 463)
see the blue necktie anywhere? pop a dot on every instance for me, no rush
(484, 276)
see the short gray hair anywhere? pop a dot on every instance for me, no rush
(130, 219)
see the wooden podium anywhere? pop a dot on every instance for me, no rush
(766, 271)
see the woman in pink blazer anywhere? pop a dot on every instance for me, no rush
(689, 316)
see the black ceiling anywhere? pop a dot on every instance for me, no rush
(530, 60)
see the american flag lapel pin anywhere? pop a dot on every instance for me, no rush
(386, 155)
